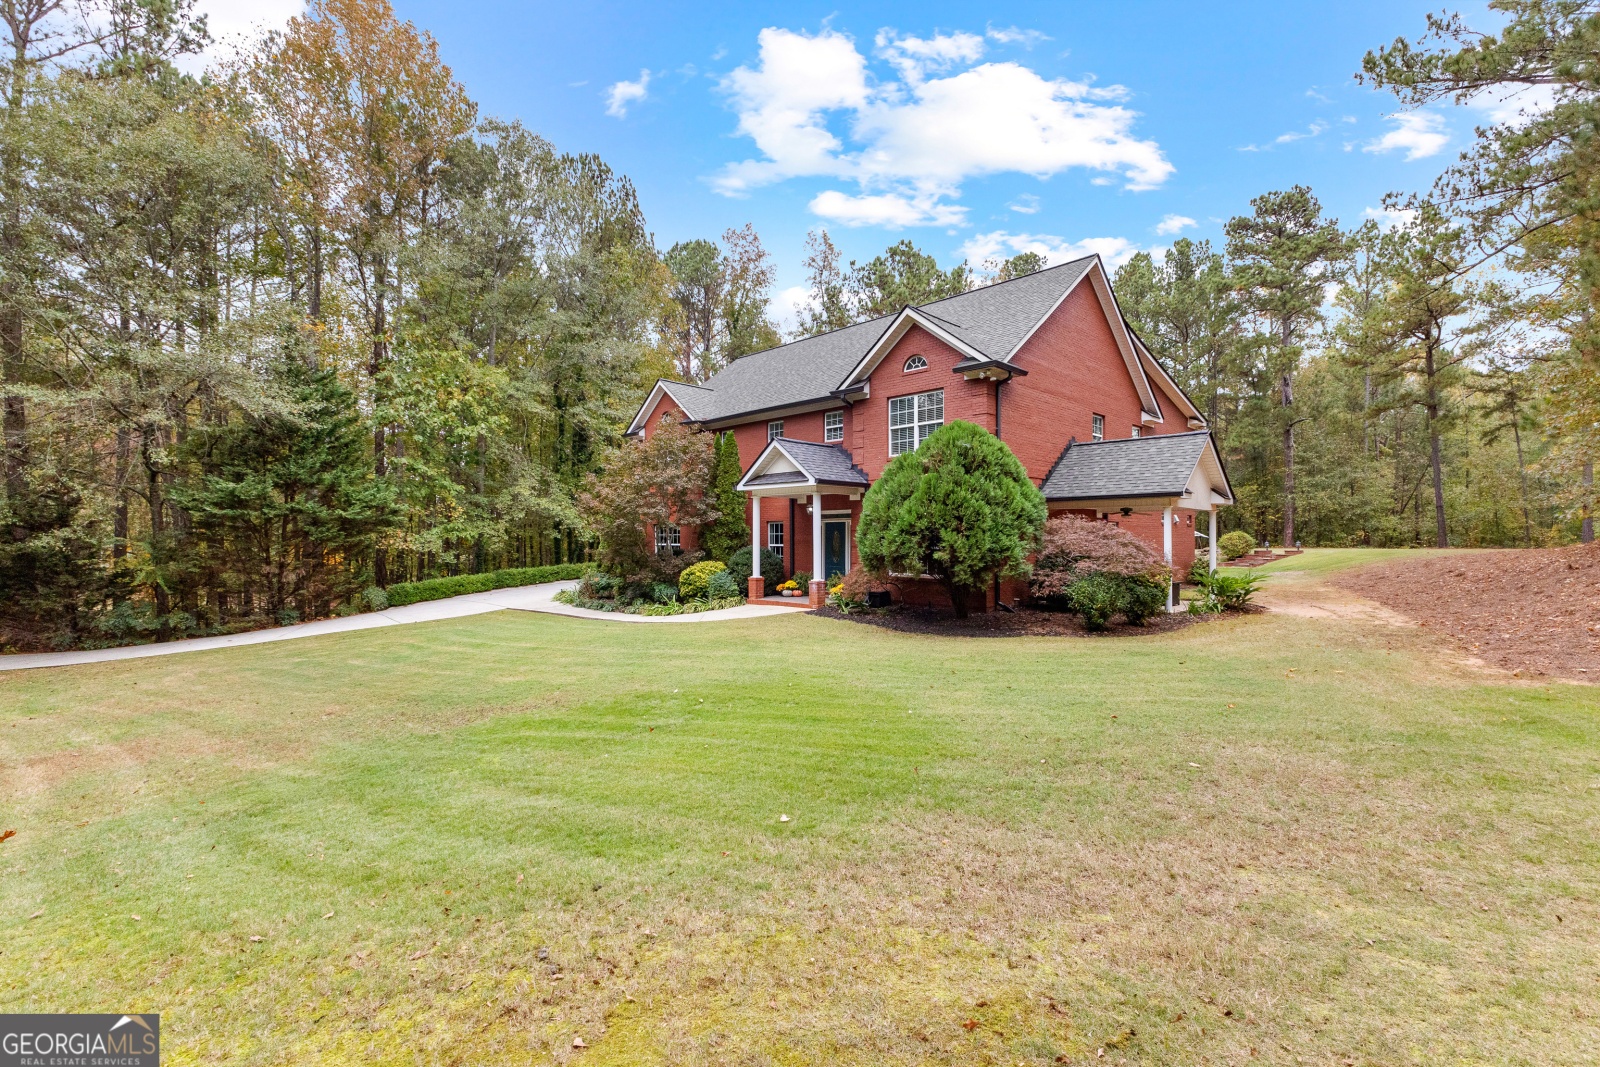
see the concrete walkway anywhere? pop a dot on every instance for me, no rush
(519, 598)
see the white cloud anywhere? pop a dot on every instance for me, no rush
(1515, 106)
(1419, 133)
(916, 58)
(1115, 251)
(1389, 218)
(1026, 204)
(786, 306)
(913, 140)
(1313, 130)
(624, 94)
(1171, 224)
(890, 210)
(235, 24)
(1013, 35)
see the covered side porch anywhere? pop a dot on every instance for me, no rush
(1151, 486)
(817, 482)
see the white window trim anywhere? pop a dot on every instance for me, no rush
(1136, 431)
(775, 546)
(1097, 427)
(832, 426)
(917, 423)
(921, 364)
(668, 537)
(774, 429)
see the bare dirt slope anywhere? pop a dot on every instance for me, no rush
(1536, 611)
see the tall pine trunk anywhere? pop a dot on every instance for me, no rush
(1441, 529)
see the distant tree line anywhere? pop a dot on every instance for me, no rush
(310, 323)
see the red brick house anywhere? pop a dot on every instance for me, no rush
(1045, 362)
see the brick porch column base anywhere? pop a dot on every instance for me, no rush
(755, 588)
(819, 592)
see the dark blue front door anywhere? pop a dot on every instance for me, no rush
(835, 547)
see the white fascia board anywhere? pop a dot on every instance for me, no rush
(898, 329)
(1169, 384)
(765, 461)
(1126, 345)
(766, 415)
(663, 387)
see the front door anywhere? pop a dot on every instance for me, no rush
(835, 547)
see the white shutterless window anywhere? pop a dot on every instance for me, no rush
(833, 426)
(1097, 427)
(913, 418)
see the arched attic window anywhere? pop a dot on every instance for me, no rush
(916, 363)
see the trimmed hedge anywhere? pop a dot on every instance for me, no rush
(439, 588)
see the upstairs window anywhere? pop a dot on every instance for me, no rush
(774, 429)
(1135, 432)
(833, 426)
(913, 418)
(668, 539)
(1097, 428)
(775, 537)
(916, 363)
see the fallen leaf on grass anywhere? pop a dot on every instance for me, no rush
(783, 818)
(328, 916)
(519, 879)
(1194, 764)
(577, 1042)
(970, 1024)
(8, 835)
(421, 952)
(135, 918)
(256, 937)
(40, 912)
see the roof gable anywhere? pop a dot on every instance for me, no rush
(788, 462)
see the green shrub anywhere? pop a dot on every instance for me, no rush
(439, 588)
(1096, 597)
(771, 567)
(803, 580)
(1235, 543)
(693, 581)
(721, 586)
(1225, 592)
(374, 599)
(663, 593)
(1144, 598)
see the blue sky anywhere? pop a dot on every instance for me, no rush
(975, 132)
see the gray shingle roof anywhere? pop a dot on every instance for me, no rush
(830, 464)
(993, 320)
(1159, 465)
(801, 371)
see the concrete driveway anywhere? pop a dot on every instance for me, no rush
(517, 598)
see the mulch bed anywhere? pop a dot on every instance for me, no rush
(1532, 611)
(1025, 622)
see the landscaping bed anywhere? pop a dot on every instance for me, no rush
(1025, 622)
(1528, 610)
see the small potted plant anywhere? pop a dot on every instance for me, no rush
(789, 588)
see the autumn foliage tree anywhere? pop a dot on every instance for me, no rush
(656, 482)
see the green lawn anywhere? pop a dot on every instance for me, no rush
(1294, 840)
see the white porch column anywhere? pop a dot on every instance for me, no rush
(755, 536)
(1166, 535)
(1212, 540)
(816, 538)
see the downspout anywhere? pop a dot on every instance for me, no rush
(998, 382)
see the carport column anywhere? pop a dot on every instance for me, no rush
(1166, 535)
(1212, 540)
(755, 587)
(819, 584)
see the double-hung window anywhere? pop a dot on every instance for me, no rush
(1135, 432)
(913, 418)
(775, 537)
(668, 538)
(833, 426)
(1097, 428)
(774, 429)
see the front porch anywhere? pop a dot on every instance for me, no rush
(819, 483)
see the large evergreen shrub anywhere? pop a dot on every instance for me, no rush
(961, 509)
(729, 531)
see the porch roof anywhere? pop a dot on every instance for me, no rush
(787, 464)
(1181, 469)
